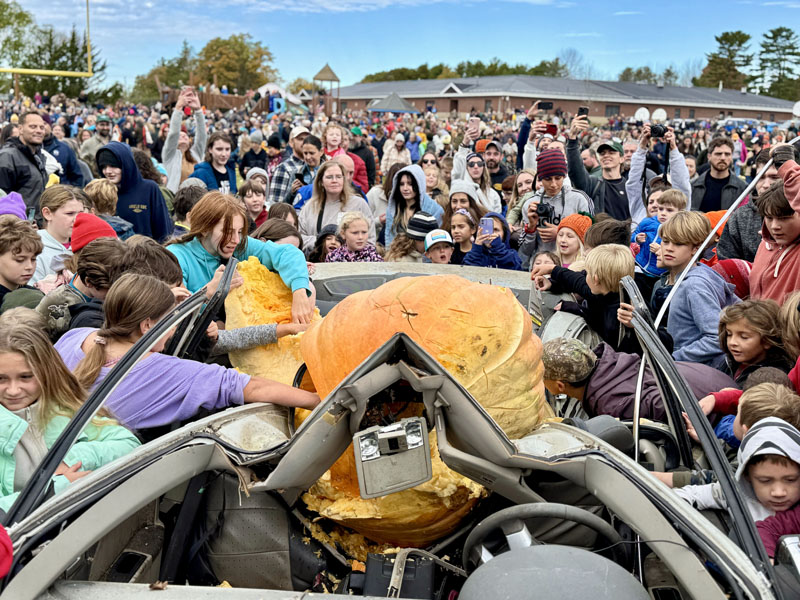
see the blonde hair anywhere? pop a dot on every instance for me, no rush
(56, 196)
(769, 400)
(348, 219)
(674, 198)
(514, 193)
(762, 316)
(328, 127)
(687, 228)
(22, 315)
(609, 263)
(790, 324)
(103, 195)
(132, 299)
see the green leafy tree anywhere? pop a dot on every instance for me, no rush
(641, 74)
(727, 62)
(670, 76)
(779, 62)
(299, 84)
(733, 46)
(174, 72)
(237, 62)
(16, 27)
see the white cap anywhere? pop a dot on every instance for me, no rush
(436, 236)
(298, 131)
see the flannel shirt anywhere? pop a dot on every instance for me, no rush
(280, 188)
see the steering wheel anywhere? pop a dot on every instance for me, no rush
(511, 521)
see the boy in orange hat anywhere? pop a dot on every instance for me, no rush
(710, 255)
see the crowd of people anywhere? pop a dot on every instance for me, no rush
(111, 215)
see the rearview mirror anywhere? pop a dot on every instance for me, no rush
(788, 553)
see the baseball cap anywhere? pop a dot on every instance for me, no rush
(567, 359)
(436, 236)
(494, 143)
(420, 225)
(615, 146)
(103, 119)
(356, 131)
(299, 130)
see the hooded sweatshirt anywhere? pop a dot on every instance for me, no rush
(776, 269)
(499, 254)
(567, 202)
(693, 319)
(427, 204)
(52, 249)
(139, 200)
(769, 436)
(612, 386)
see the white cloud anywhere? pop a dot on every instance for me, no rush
(627, 13)
(782, 4)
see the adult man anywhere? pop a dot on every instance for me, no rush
(284, 184)
(493, 156)
(589, 158)
(608, 191)
(719, 187)
(101, 137)
(742, 233)
(64, 155)
(22, 165)
(360, 149)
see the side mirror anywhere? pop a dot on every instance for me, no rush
(788, 553)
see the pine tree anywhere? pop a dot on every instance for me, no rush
(779, 61)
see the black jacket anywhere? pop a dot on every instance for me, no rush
(365, 154)
(733, 188)
(251, 160)
(22, 171)
(67, 159)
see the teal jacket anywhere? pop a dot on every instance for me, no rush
(199, 266)
(94, 447)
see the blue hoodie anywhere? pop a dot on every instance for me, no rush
(427, 204)
(139, 200)
(205, 172)
(499, 254)
(646, 259)
(693, 319)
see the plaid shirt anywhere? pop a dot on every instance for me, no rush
(280, 188)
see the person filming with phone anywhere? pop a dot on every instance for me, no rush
(471, 166)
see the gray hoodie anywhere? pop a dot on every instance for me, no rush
(769, 436)
(742, 234)
(567, 202)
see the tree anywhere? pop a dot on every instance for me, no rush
(779, 60)
(550, 68)
(237, 62)
(669, 76)
(733, 46)
(16, 25)
(299, 84)
(174, 72)
(726, 63)
(639, 75)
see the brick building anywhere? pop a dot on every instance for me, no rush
(605, 98)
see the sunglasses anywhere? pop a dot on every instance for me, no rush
(475, 163)
(428, 161)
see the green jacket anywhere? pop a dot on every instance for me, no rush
(96, 446)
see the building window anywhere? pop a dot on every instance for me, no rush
(730, 113)
(691, 113)
(771, 116)
(344, 105)
(612, 110)
(760, 116)
(487, 105)
(677, 113)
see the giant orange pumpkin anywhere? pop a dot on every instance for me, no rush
(481, 335)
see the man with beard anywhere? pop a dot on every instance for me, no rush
(719, 187)
(63, 154)
(493, 156)
(280, 189)
(22, 165)
(589, 158)
(360, 149)
(101, 137)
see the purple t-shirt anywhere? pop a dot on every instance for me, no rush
(161, 389)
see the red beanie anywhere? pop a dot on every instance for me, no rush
(551, 163)
(87, 228)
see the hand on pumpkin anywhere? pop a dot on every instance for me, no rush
(302, 307)
(292, 328)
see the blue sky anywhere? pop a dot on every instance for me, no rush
(362, 36)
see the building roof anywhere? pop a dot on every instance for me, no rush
(326, 74)
(392, 103)
(558, 88)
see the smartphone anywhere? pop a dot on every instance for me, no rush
(545, 106)
(486, 226)
(299, 177)
(551, 129)
(583, 111)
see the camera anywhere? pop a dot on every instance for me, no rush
(546, 213)
(658, 131)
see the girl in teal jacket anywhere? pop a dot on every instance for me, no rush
(38, 395)
(215, 234)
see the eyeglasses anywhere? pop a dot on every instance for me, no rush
(475, 163)
(428, 161)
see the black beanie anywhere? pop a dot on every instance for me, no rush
(106, 157)
(274, 141)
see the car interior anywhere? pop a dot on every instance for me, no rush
(223, 502)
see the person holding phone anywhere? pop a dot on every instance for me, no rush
(492, 246)
(471, 166)
(180, 154)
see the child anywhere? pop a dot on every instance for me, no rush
(709, 256)
(59, 207)
(439, 247)
(750, 337)
(96, 268)
(353, 230)
(694, 311)
(599, 287)
(284, 211)
(607, 231)
(280, 232)
(768, 474)
(493, 249)
(20, 244)
(103, 195)
(253, 197)
(411, 244)
(326, 242)
(569, 240)
(546, 258)
(463, 227)
(38, 395)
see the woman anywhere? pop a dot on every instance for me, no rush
(408, 197)
(38, 396)
(160, 389)
(687, 146)
(463, 194)
(429, 159)
(524, 183)
(378, 196)
(60, 207)
(180, 155)
(216, 233)
(332, 197)
(215, 171)
(471, 166)
(395, 153)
